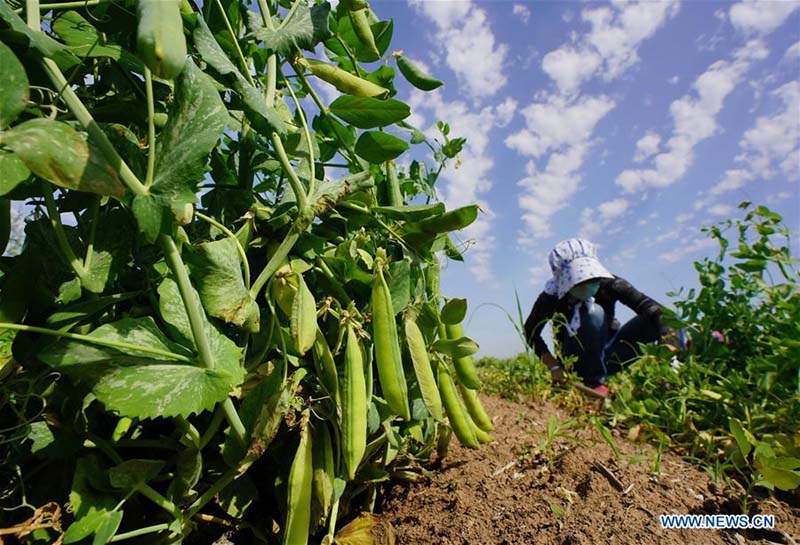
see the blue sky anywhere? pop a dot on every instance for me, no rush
(631, 124)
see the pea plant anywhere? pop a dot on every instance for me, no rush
(734, 403)
(225, 315)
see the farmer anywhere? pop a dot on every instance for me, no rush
(585, 293)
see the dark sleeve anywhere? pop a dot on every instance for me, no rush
(637, 301)
(542, 311)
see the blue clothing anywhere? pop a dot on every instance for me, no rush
(600, 356)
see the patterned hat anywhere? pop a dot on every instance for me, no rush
(574, 261)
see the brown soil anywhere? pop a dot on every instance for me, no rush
(506, 494)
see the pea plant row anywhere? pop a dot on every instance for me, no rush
(223, 316)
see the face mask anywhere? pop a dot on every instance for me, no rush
(584, 291)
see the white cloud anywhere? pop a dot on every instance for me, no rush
(471, 181)
(556, 122)
(694, 120)
(674, 80)
(770, 147)
(686, 250)
(683, 218)
(595, 221)
(778, 198)
(647, 146)
(792, 53)
(468, 45)
(721, 210)
(569, 67)
(760, 17)
(522, 11)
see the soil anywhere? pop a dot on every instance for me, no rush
(511, 492)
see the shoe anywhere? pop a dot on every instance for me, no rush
(600, 391)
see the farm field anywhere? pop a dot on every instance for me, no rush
(228, 313)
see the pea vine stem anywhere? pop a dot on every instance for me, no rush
(151, 129)
(197, 324)
(61, 237)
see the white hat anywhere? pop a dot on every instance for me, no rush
(574, 261)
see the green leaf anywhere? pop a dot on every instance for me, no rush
(456, 348)
(40, 42)
(85, 309)
(173, 311)
(453, 311)
(399, 281)
(111, 246)
(84, 40)
(196, 121)
(265, 119)
(89, 506)
(166, 390)
(783, 479)
(108, 527)
(210, 50)
(142, 332)
(217, 272)
(134, 473)
(14, 172)
(41, 436)
(58, 153)
(377, 147)
(14, 90)
(305, 30)
(739, 435)
(369, 112)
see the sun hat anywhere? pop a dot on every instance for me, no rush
(573, 261)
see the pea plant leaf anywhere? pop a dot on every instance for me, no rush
(195, 123)
(63, 156)
(40, 42)
(217, 272)
(84, 40)
(377, 147)
(453, 311)
(134, 473)
(369, 112)
(14, 172)
(306, 28)
(14, 91)
(225, 352)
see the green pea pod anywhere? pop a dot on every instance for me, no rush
(387, 348)
(415, 76)
(323, 470)
(344, 81)
(422, 369)
(304, 317)
(298, 512)
(326, 364)
(475, 409)
(456, 413)
(354, 406)
(354, 5)
(465, 367)
(5, 224)
(159, 37)
(363, 31)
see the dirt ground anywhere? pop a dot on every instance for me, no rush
(505, 493)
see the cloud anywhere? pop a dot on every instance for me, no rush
(770, 147)
(522, 11)
(753, 17)
(694, 119)
(594, 221)
(721, 210)
(685, 250)
(674, 80)
(569, 67)
(471, 181)
(647, 146)
(792, 53)
(556, 122)
(467, 43)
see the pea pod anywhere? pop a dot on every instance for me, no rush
(387, 348)
(465, 367)
(298, 513)
(475, 409)
(326, 365)
(363, 31)
(456, 413)
(323, 470)
(304, 317)
(422, 369)
(415, 76)
(159, 37)
(344, 81)
(354, 406)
